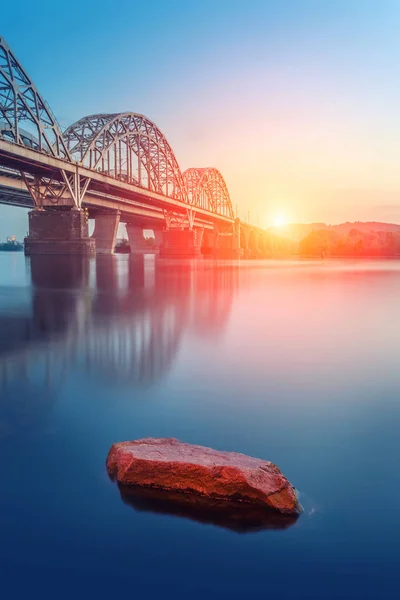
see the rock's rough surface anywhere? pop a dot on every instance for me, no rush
(168, 464)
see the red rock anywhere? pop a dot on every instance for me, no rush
(168, 464)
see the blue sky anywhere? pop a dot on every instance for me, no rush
(295, 101)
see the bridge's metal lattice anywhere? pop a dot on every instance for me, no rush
(130, 147)
(207, 189)
(25, 118)
(127, 146)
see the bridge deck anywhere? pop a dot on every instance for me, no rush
(21, 158)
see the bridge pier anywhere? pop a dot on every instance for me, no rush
(227, 246)
(137, 242)
(209, 241)
(158, 238)
(57, 231)
(245, 242)
(181, 243)
(227, 243)
(105, 231)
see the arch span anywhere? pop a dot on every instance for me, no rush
(25, 118)
(127, 146)
(207, 189)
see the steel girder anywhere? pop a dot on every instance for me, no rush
(127, 146)
(207, 189)
(25, 118)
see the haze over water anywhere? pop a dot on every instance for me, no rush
(295, 362)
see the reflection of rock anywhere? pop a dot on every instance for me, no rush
(237, 516)
(169, 464)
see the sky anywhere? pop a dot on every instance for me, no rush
(296, 102)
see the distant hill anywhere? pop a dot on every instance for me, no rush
(298, 231)
(356, 239)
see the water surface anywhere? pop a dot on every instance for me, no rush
(293, 361)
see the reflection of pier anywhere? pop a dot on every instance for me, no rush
(135, 350)
(118, 318)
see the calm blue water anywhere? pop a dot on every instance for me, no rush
(294, 362)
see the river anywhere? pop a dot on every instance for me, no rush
(296, 362)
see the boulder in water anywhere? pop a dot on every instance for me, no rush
(174, 466)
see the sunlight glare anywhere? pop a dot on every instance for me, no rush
(279, 221)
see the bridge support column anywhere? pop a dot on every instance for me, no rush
(57, 231)
(136, 239)
(209, 242)
(227, 243)
(227, 246)
(245, 241)
(158, 238)
(105, 231)
(181, 243)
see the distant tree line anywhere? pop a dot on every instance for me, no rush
(356, 243)
(320, 242)
(11, 246)
(123, 246)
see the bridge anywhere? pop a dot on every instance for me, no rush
(113, 168)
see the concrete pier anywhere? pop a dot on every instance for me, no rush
(105, 231)
(57, 231)
(158, 238)
(181, 243)
(227, 246)
(209, 242)
(136, 239)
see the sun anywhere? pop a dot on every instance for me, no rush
(279, 221)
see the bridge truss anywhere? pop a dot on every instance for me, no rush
(25, 118)
(207, 189)
(125, 146)
(130, 147)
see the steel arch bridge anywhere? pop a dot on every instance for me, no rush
(25, 118)
(126, 147)
(206, 188)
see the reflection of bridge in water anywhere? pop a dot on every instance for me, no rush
(119, 319)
